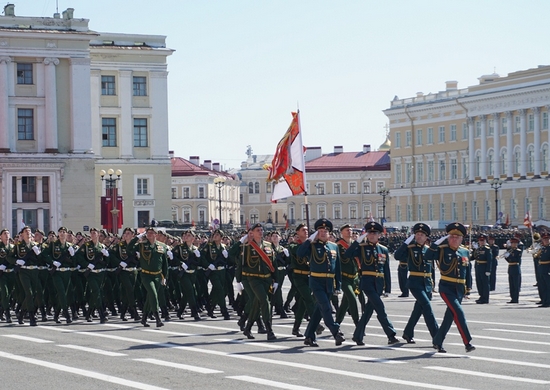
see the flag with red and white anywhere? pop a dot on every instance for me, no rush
(527, 221)
(288, 168)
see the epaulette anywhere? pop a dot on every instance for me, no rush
(411, 245)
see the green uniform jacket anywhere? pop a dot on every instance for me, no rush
(153, 257)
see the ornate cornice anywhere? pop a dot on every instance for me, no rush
(51, 61)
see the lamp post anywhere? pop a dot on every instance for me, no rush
(112, 186)
(495, 185)
(383, 192)
(219, 182)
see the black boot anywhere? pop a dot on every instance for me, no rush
(296, 330)
(195, 314)
(242, 322)
(136, 315)
(56, 316)
(113, 310)
(225, 313)
(20, 316)
(144, 320)
(8, 316)
(123, 310)
(282, 312)
(102, 317)
(261, 327)
(179, 313)
(32, 319)
(74, 310)
(165, 313)
(67, 316)
(248, 330)
(43, 314)
(157, 318)
(270, 335)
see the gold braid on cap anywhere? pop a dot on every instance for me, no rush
(456, 232)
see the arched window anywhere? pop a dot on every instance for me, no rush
(544, 158)
(490, 162)
(503, 161)
(531, 158)
(478, 163)
(257, 187)
(517, 160)
(250, 188)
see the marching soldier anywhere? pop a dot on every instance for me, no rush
(373, 257)
(494, 264)
(153, 260)
(214, 257)
(413, 250)
(7, 274)
(513, 257)
(188, 255)
(453, 262)
(325, 279)
(543, 258)
(350, 278)
(282, 260)
(484, 259)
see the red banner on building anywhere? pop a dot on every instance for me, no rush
(107, 208)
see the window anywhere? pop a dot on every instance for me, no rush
(201, 192)
(353, 211)
(542, 208)
(398, 213)
(517, 160)
(420, 172)
(398, 173)
(475, 211)
(336, 188)
(465, 168)
(250, 188)
(478, 163)
(397, 140)
(408, 172)
(140, 132)
(419, 137)
(530, 122)
(442, 170)
(337, 209)
(321, 211)
(202, 216)
(531, 158)
(186, 215)
(514, 208)
(142, 186)
(408, 140)
(441, 134)
(544, 158)
(409, 213)
(545, 120)
(491, 127)
(430, 171)
(379, 186)
(186, 192)
(45, 189)
(140, 86)
(28, 189)
(25, 124)
(442, 211)
(268, 188)
(430, 139)
(431, 211)
(108, 131)
(366, 211)
(24, 74)
(241, 198)
(503, 162)
(257, 187)
(503, 125)
(453, 132)
(366, 187)
(454, 170)
(490, 162)
(465, 210)
(517, 128)
(420, 212)
(454, 211)
(174, 193)
(487, 210)
(478, 128)
(320, 188)
(108, 85)
(464, 130)
(352, 188)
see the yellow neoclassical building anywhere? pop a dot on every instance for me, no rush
(460, 154)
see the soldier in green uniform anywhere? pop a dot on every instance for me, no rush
(59, 255)
(24, 255)
(282, 260)
(92, 258)
(484, 262)
(453, 262)
(7, 276)
(350, 278)
(214, 257)
(154, 268)
(257, 273)
(188, 256)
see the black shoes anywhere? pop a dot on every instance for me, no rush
(512, 302)
(480, 302)
(310, 343)
(470, 348)
(296, 331)
(408, 339)
(403, 296)
(339, 339)
(358, 342)
(319, 330)
(440, 348)
(392, 340)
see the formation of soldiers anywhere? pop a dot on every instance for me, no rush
(151, 276)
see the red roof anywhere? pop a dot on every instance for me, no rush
(183, 167)
(350, 161)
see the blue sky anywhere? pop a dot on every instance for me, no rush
(242, 66)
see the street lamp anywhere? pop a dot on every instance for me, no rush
(495, 185)
(112, 186)
(269, 217)
(383, 192)
(220, 182)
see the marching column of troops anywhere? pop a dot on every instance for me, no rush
(150, 275)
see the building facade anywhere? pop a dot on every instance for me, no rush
(55, 111)
(460, 154)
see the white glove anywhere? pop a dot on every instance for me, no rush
(20, 262)
(285, 251)
(170, 254)
(361, 238)
(91, 266)
(36, 250)
(212, 267)
(506, 255)
(475, 245)
(71, 251)
(438, 242)
(338, 292)
(105, 252)
(57, 264)
(184, 266)
(244, 239)
(2, 267)
(409, 240)
(163, 281)
(313, 236)
(123, 264)
(275, 285)
(240, 288)
(141, 235)
(225, 254)
(487, 274)
(137, 255)
(197, 253)
(508, 244)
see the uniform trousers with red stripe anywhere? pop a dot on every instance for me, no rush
(452, 294)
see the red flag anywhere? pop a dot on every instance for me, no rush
(527, 221)
(286, 225)
(287, 168)
(507, 219)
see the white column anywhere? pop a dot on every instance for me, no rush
(509, 145)
(536, 116)
(80, 100)
(471, 150)
(40, 218)
(19, 190)
(496, 145)
(523, 143)
(159, 118)
(95, 86)
(51, 104)
(39, 189)
(125, 122)
(4, 105)
(483, 162)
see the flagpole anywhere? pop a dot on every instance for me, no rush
(305, 177)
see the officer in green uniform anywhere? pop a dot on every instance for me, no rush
(153, 261)
(325, 279)
(24, 255)
(494, 252)
(188, 256)
(543, 259)
(7, 276)
(350, 278)
(92, 258)
(59, 255)
(513, 257)
(453, 262)
(413, 251)
(214, 258)
(257, 274)
(484, 263)
(282, 260)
